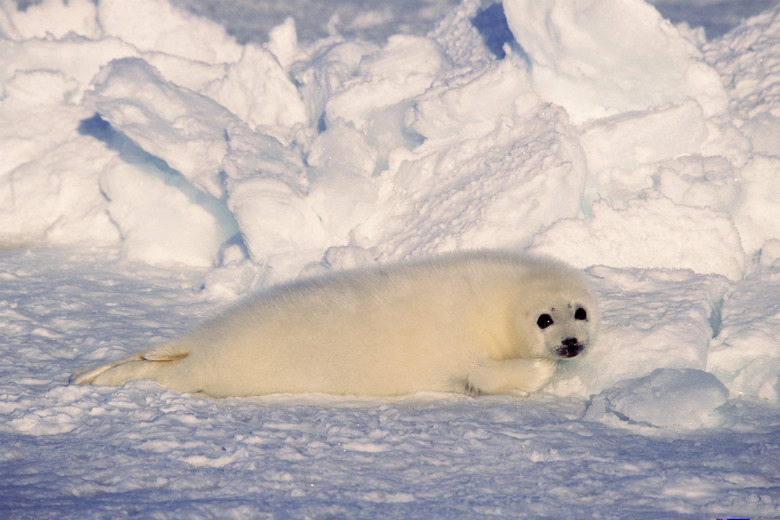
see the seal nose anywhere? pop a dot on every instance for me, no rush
(570, 347)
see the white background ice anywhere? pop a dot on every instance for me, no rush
(155, 168)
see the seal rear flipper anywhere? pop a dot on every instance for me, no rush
(142, 365)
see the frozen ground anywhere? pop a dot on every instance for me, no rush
(152, 173)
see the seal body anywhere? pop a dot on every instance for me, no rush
(477, 322)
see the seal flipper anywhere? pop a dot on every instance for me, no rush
(517, 376)
(142, 365)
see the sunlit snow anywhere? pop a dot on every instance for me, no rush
(157, 165)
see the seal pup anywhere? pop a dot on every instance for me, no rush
(480, 322)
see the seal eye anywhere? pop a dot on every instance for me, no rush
(544, 321)
(580, 314)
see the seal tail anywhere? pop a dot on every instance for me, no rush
(143, 365)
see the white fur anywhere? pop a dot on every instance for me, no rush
(463, 322)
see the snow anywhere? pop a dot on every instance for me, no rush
(153, 169)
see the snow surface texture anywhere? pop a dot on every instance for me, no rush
(150, 173)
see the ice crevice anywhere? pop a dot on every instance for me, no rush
(178, 195)
(716, 315)
(131, 153)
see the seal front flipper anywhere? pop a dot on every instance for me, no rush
(509, 376)
(142, 365)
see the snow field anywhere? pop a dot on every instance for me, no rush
(188, 169)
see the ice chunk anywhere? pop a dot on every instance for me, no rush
(749, 64)
(758, 218)
(163, 219)
(329, 68)
(258, 91)
(341, 188)
(405, 68)
(668, 397)
(693, 180)
(495, 165)
(529, 173)
(617, 147)
(48, 18)
(745, 355)
(184, 129)
(48, 172)
(174, 31)
(48, 55)
(283, 43)
(648, 233)
(278, 225)
(599, 58)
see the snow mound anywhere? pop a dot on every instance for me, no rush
(685, 398)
